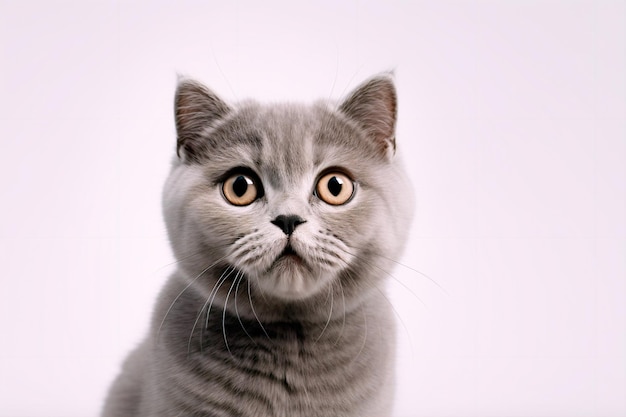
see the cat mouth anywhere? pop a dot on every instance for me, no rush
(289, 253)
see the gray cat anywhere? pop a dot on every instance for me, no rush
(284, 220)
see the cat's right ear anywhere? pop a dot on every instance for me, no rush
(195, 108)
(373, 105)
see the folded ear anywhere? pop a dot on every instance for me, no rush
(196, 108)
(373, 105)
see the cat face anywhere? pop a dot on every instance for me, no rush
(292, 197)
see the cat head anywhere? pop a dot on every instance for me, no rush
(298, 199)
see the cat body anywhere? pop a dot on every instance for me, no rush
(284, 220)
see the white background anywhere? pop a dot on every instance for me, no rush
(511, 120)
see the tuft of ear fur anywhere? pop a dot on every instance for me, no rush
(373, 105)
(196, 108)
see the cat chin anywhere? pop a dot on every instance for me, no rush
(291, 279)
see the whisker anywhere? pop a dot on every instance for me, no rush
(237, 310)
(332, 88)
(254, 312)
(343, 93)
(225, 275)
(414, 270)
(218, 284)
(261, 292)
(183, 291)
(406, 329)
(362, 259)
(230, 87)
(189, 256)
(239, 273)
(176, 261)
(343, 322)
(364, 338)
(215, 290)
(193, 328)
(404, 326)
(330, 314)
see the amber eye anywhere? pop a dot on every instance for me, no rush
(241, 189)
(335, 188)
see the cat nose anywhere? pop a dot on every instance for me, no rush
(288, 223)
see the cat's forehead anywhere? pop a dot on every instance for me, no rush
(288, 135)
(286, 143)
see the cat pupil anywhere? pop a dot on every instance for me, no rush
(240, 186)
(335, 185)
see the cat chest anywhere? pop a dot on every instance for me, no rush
(284, 373)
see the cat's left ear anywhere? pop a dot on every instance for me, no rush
(373, 105)
(196, 109)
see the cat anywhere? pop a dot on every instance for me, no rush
(284, 220)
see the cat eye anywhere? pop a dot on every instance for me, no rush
(335, 188)
(241, 189)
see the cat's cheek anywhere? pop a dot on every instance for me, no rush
(254, 255)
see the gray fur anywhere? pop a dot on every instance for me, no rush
(236, 332)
